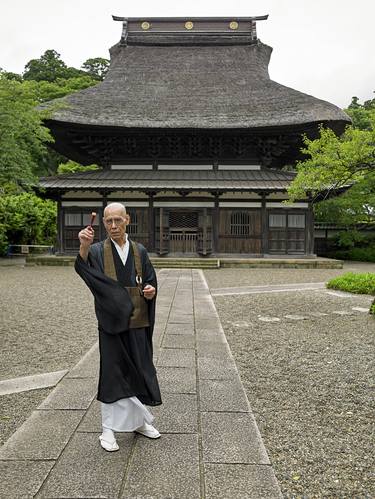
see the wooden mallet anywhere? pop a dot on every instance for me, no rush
(93, 216)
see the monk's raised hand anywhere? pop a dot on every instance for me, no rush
(149, 292)
(86, 236)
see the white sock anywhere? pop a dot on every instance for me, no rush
(108, 435)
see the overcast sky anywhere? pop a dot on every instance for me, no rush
(321, 47)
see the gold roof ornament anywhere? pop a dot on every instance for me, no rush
(189, 25)
(145, 25)
(233, 25)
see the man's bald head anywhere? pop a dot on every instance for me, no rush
(114, 209)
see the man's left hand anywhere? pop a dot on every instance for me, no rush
(149, 292)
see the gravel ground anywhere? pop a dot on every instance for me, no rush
(47, 320)
(47, 323)
(257, 277)
(16, 408)
(308, 382)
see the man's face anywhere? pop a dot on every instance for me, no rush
(115, 222)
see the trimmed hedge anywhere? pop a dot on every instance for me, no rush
(354, 283)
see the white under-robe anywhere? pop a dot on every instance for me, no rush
(126, 414)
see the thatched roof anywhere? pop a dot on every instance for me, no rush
(197, 81)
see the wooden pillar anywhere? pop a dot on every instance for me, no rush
(161, 231)
(60, 227)
(264, 222)
(310, 230)
(215, 224)
(204, 232)
(151, 222)
(102, 232)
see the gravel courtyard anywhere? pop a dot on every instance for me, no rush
(47, 324)
(308, 376)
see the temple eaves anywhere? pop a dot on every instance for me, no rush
(164, 30)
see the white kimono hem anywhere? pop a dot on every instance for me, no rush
(126, 414)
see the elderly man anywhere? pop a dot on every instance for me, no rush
(123, 282)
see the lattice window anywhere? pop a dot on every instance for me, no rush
(240, 223)
(132, 228)
(73, 219)
(79, 219)
(183, 220)
(296, 221)
(277, 220)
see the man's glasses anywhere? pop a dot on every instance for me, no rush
(114, 221)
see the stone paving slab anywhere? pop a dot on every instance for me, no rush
(91, 422)
(223, 395)
(177, 414)
(230, 437)
(73, 393)
(177, 379)
(179, 341)
(268, 288)
(238, 481)
(183, 329)
(33, 382)
(42, 436)
(213, 369)
(88, 366)
(22, 479)
(166, 468)
(176, 357)
(84, 470)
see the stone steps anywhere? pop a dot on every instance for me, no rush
(209, 263)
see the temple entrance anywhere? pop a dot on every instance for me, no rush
(183, 231)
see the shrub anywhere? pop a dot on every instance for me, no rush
(354, 283)
(3, 240)
(356, 254)
(26, 219)
(372, 308)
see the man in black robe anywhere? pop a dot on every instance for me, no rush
(123, 281)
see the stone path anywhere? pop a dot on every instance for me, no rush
(210, 445)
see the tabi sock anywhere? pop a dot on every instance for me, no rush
(108, 435)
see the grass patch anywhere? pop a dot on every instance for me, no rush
(372, 308)
(354, 283)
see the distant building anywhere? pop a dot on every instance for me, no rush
(192, 135)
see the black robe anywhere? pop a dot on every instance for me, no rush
(126, 365)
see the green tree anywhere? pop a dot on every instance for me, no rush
(355, 206)
(73, 167)
(361, 113)
(335, 162)
(49, 67)
(23, 137)
(96, 67)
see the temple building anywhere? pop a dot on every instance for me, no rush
(192, 135)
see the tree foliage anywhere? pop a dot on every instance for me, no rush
(23, 137)
(73, 167)
(96, 67)
(50, 67)
(335, 162)
(24, 155)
